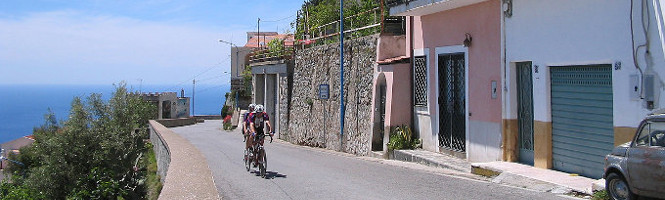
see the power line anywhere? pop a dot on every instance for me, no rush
(279, 19)
(208, 69)
(211, 78)
(209, 88)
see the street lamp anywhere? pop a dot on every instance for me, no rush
(229, 43)
(236, 67)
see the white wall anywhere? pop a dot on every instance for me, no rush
(423, 120)
(571, 32)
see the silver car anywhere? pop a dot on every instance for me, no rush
(638, 167)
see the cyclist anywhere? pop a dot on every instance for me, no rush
(256, 123)
(245, 121)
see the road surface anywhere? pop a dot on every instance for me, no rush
(297, 172)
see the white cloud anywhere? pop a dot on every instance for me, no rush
(69, 47)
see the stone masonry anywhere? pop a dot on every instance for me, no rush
(308, 120)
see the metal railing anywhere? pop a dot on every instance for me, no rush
(362, 21)
(267, 55)
(397, 2)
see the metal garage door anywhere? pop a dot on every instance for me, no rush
(582, 128)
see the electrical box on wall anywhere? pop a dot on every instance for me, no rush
(634, 87)
(494, 90)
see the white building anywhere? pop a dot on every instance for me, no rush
(579, 77)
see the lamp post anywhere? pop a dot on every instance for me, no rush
(341, 74)
(237, 67)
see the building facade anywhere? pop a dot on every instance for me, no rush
(457, 75)
(580, 76)
(550, 84)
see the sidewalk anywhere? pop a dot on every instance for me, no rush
(509, 173)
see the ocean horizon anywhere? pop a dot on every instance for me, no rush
(22, 107)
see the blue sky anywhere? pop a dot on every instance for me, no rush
(154, 42)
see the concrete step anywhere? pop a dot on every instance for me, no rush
(431, 159)
(378, 154)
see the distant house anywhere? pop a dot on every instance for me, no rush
(240, 58)
(169, 105)
(266, 75)
(12, 147)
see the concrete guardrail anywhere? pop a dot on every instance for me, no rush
(183, 169)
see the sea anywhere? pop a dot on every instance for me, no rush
(22, 107)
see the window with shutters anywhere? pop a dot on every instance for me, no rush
(420, 81)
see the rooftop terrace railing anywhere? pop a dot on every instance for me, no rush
(354, 23)
(268, 55)
(397, 2)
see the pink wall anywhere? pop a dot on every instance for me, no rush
(447, 28)
(398, 93)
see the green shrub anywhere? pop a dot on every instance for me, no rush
(228, 126)
(276, 47)
(600, 195)
(91, 155)
(226, 110)
(153, 182)
(401, 137)
(17, 191)
(316, 13)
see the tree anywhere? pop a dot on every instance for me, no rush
(92, 155)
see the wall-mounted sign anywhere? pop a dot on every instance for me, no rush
(324, 91)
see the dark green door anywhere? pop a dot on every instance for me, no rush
(525, 112)
(582, 118)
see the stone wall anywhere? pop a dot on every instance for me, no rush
(188, 176)
(308, 120)
(162, 153)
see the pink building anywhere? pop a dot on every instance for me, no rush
(451, 88)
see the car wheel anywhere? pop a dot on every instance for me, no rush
(617, 188)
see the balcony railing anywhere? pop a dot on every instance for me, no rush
(267, 55)
(391, 3)
(352, 24)
(362, 24)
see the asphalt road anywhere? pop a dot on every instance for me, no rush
(297, 172)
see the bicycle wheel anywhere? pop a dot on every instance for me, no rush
(263, 165)
(246, 159)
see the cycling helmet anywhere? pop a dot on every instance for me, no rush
(259, 108)
(251, 106)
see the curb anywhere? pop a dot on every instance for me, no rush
(403, 155)
(508, 178)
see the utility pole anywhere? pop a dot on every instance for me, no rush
(341, 74)
(258, 32)
(193, 92)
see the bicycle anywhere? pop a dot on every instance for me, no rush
(257, 153)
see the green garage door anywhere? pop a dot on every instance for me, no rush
(582, 128)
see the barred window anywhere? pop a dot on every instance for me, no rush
(420, 81)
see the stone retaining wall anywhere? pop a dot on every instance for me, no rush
(162, 153)
(307, 120)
